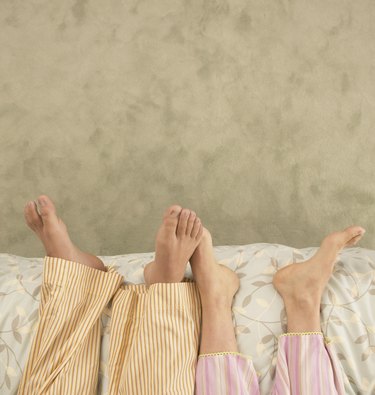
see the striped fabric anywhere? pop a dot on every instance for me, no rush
(154, 339)
(306, 365)
(225, 373)
(154, 334)
(154, 343)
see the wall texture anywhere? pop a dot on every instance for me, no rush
(257, 114)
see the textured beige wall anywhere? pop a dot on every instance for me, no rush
(258, 115)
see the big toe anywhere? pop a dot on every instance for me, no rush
(171, 215)
(33, 219)
(354, 234)
(348, 236)
(173, 211)
(47, 211)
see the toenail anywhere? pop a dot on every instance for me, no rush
(42, 201)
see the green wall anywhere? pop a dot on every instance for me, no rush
(258, 115)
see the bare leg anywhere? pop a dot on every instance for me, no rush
(301, 285)
(217, 286)
(221, 369)
(305, 360)
(53, 233)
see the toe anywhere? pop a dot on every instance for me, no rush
(196, 228)
(173, 210)
(200, 233)
(32, 217)
(190, 222)
(47, 210)
(353, 241)
(340, 239)
(171, 216)
(182, 222)
(354, 234)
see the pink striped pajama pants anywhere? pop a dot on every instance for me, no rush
(306, 365)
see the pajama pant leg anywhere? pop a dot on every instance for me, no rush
(226, 373)
(154, 339)
(154, 334)
(64, 355)
(307, 365)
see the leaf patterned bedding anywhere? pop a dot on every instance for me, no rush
(347, 310)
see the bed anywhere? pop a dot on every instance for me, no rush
(347, 310)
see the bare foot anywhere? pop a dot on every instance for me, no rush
(305, 281)
(176, 239)
(53, 233)
(217, 284)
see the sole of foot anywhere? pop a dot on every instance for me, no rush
(217, 283)
(41, 217)
(305, 281)
(177, 238)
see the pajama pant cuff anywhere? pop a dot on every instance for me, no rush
(326, 339)
(64, 273)
(226, 373)
(305, 361)
(215, 354)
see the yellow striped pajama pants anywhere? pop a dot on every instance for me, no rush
(153, 342)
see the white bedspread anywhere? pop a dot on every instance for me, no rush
(347, 313)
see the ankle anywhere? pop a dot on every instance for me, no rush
(303, 300)
(303, 314)
(213, 303)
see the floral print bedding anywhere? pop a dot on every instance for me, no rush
(347, 309)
